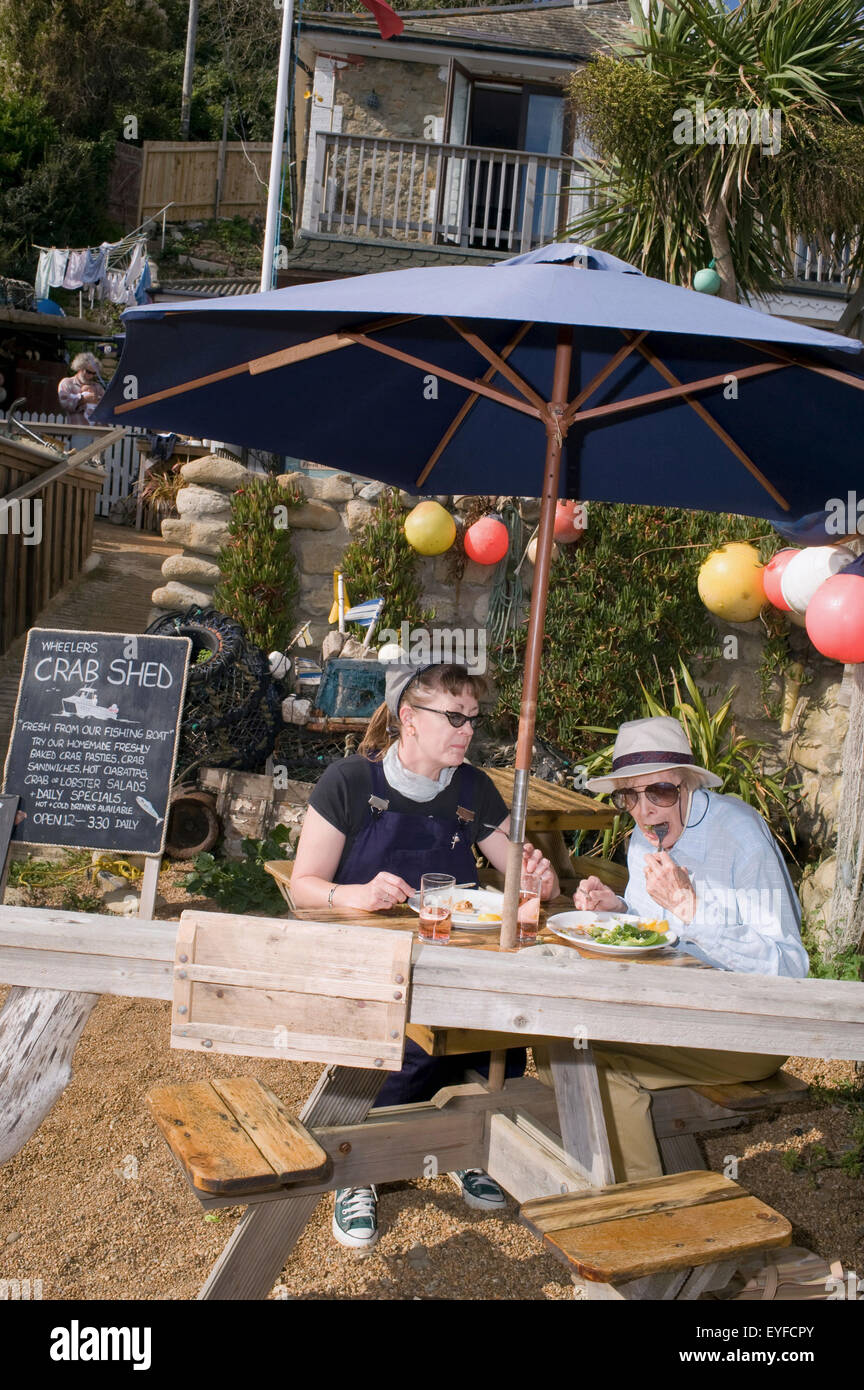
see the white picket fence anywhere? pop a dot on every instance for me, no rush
(122, 460)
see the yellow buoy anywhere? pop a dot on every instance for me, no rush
(430, 529)
(730, 583)
(532, 551)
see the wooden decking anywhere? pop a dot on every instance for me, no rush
(112, 596)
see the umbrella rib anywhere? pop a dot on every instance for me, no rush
(475, 341)
(712, 424)
(468, 406)
(620, 356)
(833, 372)
(285, 357)
(475, 387)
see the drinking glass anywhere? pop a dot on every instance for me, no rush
(436, 907)
(528, 916)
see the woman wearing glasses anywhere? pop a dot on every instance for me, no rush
(709, 865)
(406, 805)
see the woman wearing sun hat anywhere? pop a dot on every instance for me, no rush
(720, 882)
(409, 803)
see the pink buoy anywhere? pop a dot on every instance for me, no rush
(569, 522)
(835, 617)
(773, 574)
(487, 540)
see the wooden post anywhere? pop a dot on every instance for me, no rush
(220, 167)
(149, 885)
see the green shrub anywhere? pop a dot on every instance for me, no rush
(381, 564)
(259, 584)
(241, 885)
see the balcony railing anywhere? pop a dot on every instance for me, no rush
(509, 201)
(436, 194)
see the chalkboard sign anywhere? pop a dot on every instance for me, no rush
(94, 742)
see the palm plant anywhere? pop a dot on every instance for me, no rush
(669, 207)
(718, 746)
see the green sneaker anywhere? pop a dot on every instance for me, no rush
(355, 1217)
(479, 1190)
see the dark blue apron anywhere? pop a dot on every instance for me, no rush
(410, 845)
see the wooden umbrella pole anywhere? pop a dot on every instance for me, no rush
(555, 435)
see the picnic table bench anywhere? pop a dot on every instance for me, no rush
(239, 977)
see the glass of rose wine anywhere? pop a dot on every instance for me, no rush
(528, 915)
(436, 907)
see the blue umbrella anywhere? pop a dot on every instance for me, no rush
(449, 378)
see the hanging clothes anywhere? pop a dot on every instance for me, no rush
(74, 277)
(95, 264)
(57, 266)
(43, 284)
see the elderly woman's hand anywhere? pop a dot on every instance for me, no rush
(593, 895)
(669, 885)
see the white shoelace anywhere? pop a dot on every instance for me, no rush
(359, 1202)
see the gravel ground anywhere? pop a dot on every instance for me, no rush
(94, 1207)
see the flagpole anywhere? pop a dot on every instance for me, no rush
(275, 188)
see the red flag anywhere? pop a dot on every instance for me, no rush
(387, 19)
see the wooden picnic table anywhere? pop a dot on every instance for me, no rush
(552, 809)
(533, 1139)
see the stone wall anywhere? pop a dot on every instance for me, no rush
(407, 93)
(336, 509)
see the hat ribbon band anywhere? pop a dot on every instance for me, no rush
(632, 759)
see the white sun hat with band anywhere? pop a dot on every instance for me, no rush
(658, 744)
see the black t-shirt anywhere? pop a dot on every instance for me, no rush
(341, 796)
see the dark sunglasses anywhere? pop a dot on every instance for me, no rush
(455, 718)
(659, 794)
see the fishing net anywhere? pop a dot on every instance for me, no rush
(232, 710)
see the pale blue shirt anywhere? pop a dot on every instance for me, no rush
(747, 916)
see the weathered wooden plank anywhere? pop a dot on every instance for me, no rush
(38, 1032)
(580, 1112)
(628, 1199)
(527, 1161)
(208, 1143)
(616, 1251)
(262, 1241)
(680, 1153)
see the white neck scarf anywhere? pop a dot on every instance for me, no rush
(413, 784)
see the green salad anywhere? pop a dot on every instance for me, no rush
(626, 934)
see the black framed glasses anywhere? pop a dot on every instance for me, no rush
(453, 715)
(658, 793)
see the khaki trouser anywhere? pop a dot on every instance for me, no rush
(627, 1074)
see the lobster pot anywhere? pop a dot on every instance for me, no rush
(232, 710)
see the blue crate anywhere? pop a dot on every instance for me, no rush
(351, 689)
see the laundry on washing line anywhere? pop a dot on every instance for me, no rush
(117, 271)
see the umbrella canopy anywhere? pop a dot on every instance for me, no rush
(279, 371)
(452, 379)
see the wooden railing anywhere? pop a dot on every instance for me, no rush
(43, 548)
(419, 191)
(470, 196)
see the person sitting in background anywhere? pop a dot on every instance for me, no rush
(80, 394)
(726, 892)
(409, 803)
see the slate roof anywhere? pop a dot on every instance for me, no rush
(216, 288)
(559, 28)
(322, 257)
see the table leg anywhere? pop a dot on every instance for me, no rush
(580, 1112)
(260, 1246)
(39, 1029)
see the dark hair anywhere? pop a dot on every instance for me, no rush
(384, 730)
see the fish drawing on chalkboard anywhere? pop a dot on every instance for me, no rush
(151, 810)
(85, 705)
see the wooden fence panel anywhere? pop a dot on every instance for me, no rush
(36, 557)
(185, 173)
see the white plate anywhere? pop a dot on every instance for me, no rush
(482, 900)
(570, 926)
